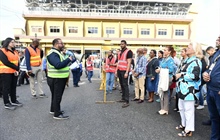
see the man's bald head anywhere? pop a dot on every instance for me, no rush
(140, 51)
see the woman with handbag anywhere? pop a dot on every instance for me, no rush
(168, 65)
(189, 81)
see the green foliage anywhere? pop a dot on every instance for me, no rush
(178, 49)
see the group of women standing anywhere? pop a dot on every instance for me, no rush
(188, 78)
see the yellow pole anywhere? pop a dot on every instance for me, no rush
(105, 86)
(102, 85)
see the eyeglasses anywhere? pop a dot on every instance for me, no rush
(60, 43)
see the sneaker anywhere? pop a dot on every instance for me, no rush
(125, 105)
(205, 102)
(42, 95)
(200, 107)
(52, 113)
(9, 106)
(17, 103)
(34, 96)
(61, 117)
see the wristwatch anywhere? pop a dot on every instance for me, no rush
(182, 75)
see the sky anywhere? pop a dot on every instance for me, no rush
(208, 27)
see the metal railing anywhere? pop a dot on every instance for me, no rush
(106, 13)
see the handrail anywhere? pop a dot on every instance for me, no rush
(108, 13)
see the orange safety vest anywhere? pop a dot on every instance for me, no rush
(89, 66)
(13, 58)
(35, 59)
(122, 61)
(110, 68)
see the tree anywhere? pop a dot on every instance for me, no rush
(178, 50)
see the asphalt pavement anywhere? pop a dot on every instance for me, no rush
(91, 121)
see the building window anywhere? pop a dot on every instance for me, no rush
(162, 32)
(54, 29)
(36, 29)
(127, 31)
(145, 31)
(179, 32)
(73, 29)
(93, 30)
(110, 30)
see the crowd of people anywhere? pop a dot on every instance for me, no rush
(15, 66)
(194, 78)
(157, 73)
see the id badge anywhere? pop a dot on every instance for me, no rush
(211, 67)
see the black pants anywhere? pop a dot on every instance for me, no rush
(145, 87)
(76, 76)
(57, 86)
(131, 79)
(1, 85)
(177, 101)
(9, 83)
(124, 85)
(22, 76)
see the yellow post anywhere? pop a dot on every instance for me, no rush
(102, 85)
(104, 100)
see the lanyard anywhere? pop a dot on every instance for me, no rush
(213, 64)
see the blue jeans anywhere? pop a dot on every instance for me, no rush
(110, 77)
(201, 97)
(76, 76)
(213, 100)
(90, 74)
